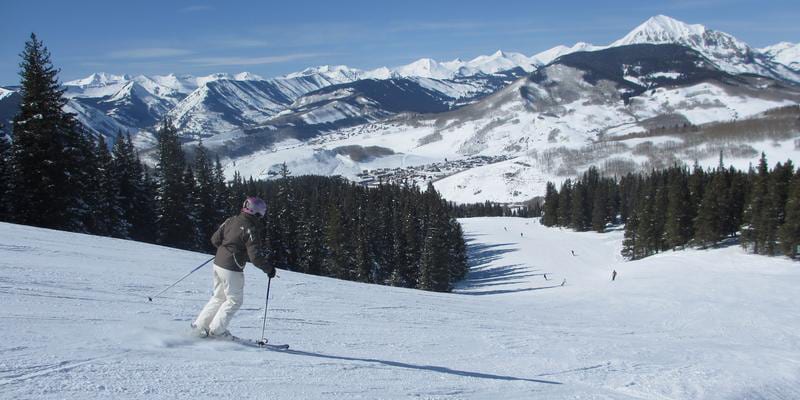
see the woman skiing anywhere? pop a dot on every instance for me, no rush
(238, 240)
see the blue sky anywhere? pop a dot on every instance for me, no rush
(271, 38)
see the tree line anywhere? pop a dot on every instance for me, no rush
(491, 209)
(54, 174)
(678, 207)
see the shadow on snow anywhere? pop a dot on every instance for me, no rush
(432, 368)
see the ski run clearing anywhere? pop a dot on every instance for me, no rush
(697, 324)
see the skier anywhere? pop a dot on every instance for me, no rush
(613, 275)
(238, 241)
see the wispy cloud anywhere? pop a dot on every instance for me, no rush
(240, 42)
(233, 61)
(196, 8)
(149, 52)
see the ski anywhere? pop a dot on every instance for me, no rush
(261, 343)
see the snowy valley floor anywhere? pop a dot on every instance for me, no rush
(718, 324)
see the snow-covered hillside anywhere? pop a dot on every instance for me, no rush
(716, 324)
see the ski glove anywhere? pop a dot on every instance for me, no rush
(270, 272)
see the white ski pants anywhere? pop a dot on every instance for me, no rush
(227, 298)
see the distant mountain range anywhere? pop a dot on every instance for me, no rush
(222, 103)
(663, 73)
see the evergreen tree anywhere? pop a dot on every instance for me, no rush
(631, 245)
(753, 232)
(600, 208)
(49, 150)
(789, 233)
(108, 216)
(581, 216)
(708, 223)
(283, 224)
(143, 215)
(565, 204)
(222, 196)
(191, 239)
(678, 227)
(550, 217)
(125, 165)
(5, 176)
(174, 222)
(206, 206)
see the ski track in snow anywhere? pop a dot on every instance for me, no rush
(715, 324)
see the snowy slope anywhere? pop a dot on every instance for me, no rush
(715, 324)
(785, 53)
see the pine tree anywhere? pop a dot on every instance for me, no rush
(600, 208)
(789, 233)
(581, 216)
(755, 213)
(126, 171)
(191, 237)
(5, 176)
(221, 192)
(678, 227)
(143, 215)
(774, 211)
(708, 223)
(174, 223)
(283, 223)
(550, 217)
(565, 204)
(49, 150)
(108, 216)
(647, 235)
(631, 245)
(204, 199)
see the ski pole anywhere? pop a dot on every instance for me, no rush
(264, 326)
(179, 280)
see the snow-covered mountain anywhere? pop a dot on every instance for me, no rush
(785, 53)
(729, 53)
(9, 105)
(584, 108)
(498, 106)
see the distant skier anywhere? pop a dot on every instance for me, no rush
(613, 275)
(573, 253)
(238, 241)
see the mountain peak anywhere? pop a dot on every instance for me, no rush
(99, 79)
(662, 29)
